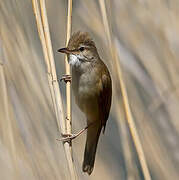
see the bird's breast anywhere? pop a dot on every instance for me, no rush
(87, 85)
(86, 89)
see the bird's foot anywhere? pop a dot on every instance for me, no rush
(66, 78)
(68, 137)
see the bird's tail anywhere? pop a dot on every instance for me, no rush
(90, 149)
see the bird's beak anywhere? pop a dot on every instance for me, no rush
(65, 50)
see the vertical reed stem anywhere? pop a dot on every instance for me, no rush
(68, 84)
(127, 109)
(44, 34)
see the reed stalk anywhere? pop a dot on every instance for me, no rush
(119, 77)
(44, 34)
(67, 67)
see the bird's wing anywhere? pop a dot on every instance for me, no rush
(105, 97)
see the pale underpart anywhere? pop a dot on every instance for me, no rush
(74, 60)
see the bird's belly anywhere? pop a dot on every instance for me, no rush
(86, 88)
(86, 99)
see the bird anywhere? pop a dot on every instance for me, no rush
(92, 89)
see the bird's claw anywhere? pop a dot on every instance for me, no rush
(70, 137)
(66, 78)
(67, 137)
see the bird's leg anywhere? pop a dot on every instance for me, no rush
(66, 78)
(69, 137)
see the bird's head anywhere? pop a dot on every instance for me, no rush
(81, 48)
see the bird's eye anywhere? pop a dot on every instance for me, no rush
(81, 48)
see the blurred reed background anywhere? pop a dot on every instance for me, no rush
(145, 34)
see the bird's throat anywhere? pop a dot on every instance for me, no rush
(74, 60)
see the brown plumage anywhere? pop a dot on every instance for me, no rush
(80, 38)
(92, 88)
